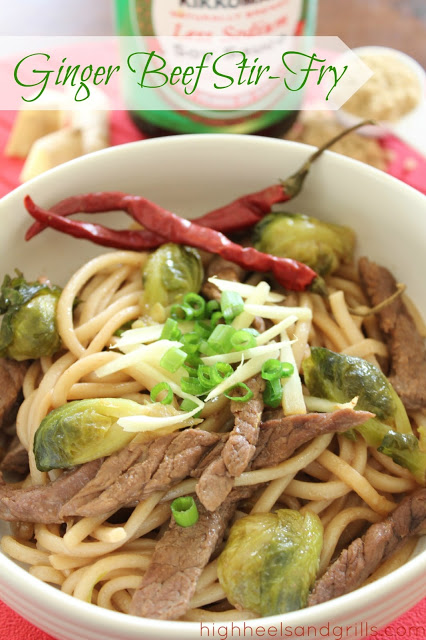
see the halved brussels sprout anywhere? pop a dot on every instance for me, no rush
(170, 273)
(81, 431)
(341, 378)
(270, 561)
(404, 450)
(28, 328)
(320, 245)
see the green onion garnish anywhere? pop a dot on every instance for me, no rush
(287, 370)
(181, 312)
(171, 330)
(206, 349)
(184, 511)
(231, 305)
(272, 396)
(216, 317)
(191, 342)
(239, 386)
(202, 329)
(212, 306)
(197, 304)
(205, 376)
(254, 332)
(242, 340)
(192, 386)
(189, 405)
(220, 339)
(221, 371)
(173, 359)
(159, 388)
(272, 369)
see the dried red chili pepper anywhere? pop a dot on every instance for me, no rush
(291, 274)
(242, 213)
(118, 239)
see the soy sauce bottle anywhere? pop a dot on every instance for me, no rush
(214, 17)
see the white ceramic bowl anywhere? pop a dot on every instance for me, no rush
(191, 175)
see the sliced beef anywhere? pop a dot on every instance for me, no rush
(11, 378)
(43, 503)
(224, 270)
(281, 436)
(406, 345)
(163, 462)
(16, 458)
(145, 457)
(216, 481)
(135, 472)
(178, 561)
(364, 555)
(241, 444)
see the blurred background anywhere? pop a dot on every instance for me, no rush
(394, 23)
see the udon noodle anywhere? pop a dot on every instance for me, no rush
(98, 560)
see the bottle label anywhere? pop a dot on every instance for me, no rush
(217, 17)
(233, 19)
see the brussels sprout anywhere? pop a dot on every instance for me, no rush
(270, 561)
(28, 328)
(404, 449)
(341, 378)
(320, 245)
(81, 431)
(170, 273)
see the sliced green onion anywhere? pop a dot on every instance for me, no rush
(192, 386)
(231, 305)
(272, 369)
(205, 376)
(220, 339)
(192, 363)
(202, 329)
(197, 304)
(254, 332)
(189, 405)
(181, 312)
(221, 371)
(206, 348)
(287, 369)
(191, 342)
(212, 306)
(242, 339)
(159, 388)
(216, 317)
(243, 387)
(272, 396)
(184, 511)
(171, 331)
(173, 359)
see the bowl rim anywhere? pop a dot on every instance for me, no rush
(48, 598)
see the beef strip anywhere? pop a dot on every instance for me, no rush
(364, 555)
(216, 481)
(16, 458)
(165, 462)
(241, 444)
(406, 345)
(179, 559)
(281, 436)
(144, 456)
(43, 503)
(11, 378)
(224, 270)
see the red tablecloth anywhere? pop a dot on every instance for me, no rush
(413, 623)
